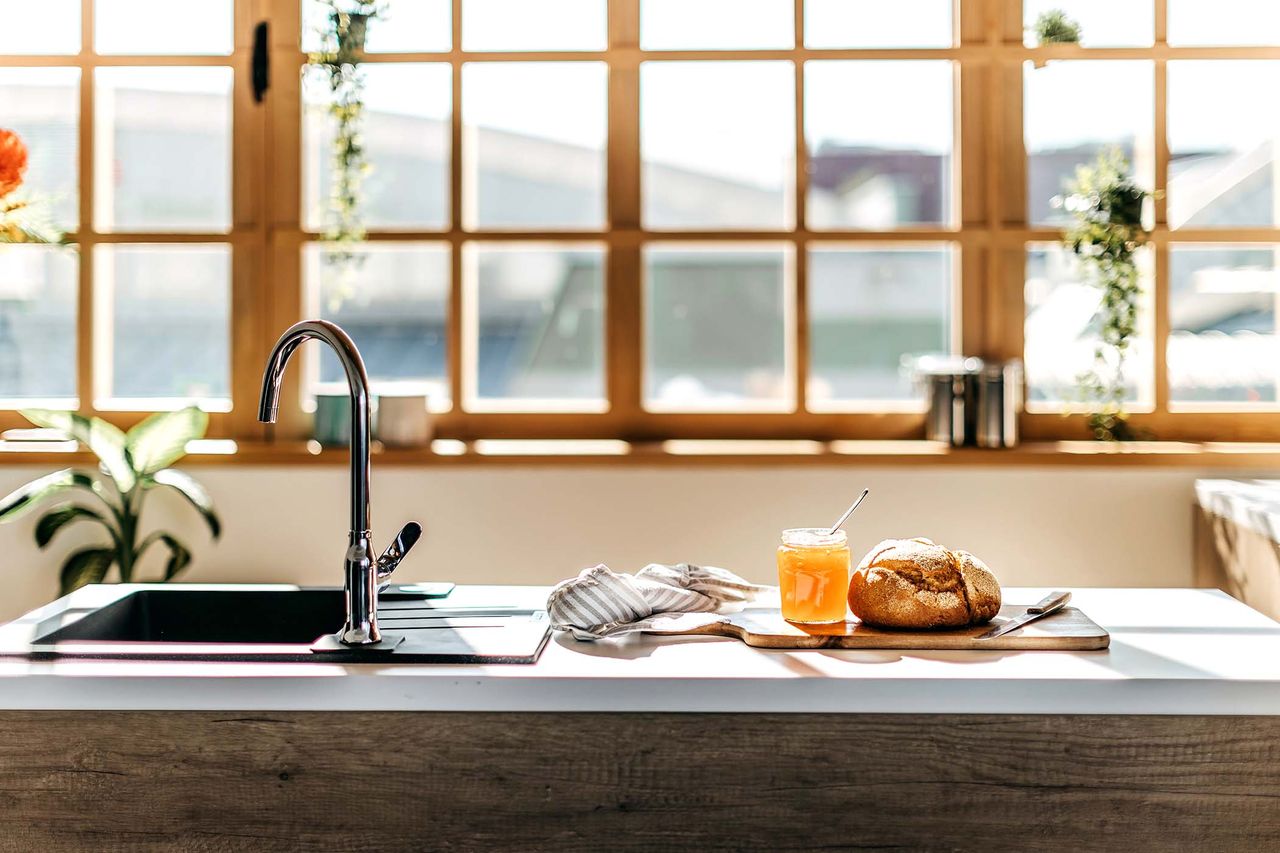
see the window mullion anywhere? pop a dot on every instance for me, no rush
(249, 194)
(280, 290)
(974, 286)
(624, 302)
(456, 345)
(1005, 173)
(85, 361)
(799, 331)
(1160, 300)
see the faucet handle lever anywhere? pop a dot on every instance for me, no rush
(405, 539)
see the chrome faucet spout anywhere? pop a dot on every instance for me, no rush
(358, 384)
(362, 568)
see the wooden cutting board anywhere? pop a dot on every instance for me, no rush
(1066, 630)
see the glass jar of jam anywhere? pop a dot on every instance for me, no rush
(813, 575)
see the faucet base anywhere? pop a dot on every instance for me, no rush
(333, 643)
(361, 625)
(365, 634)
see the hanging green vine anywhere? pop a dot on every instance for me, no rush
(1107, 206)
(342, 47)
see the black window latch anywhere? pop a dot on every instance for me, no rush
(261, 62)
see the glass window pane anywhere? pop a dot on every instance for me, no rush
(1223, 22)
(163, 328)
(717, 328)
(890, 171)
(716, 24)
(539, 334)
(1063, 326)
(406, 142)
(43, 106)
(392, 299)
(38, 324)
(1222, 323)
(535, 135)
(875, 23)
(534, 25)
(1103, 23)
(1222, 144)
(162, 149)
(192, 26)
(872, 311)
(1059, 138)
(717, 142)
(54, 29)
(403, 27)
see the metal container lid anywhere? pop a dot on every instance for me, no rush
(946, 365)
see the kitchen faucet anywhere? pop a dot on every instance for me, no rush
(362, 572)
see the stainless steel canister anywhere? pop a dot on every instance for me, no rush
(999, 400)
(951, 403)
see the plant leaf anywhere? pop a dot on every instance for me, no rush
(187, 486)
(27, 497)
(161, 439)
(59, 517)
(105, 440)
(179, 554)
(86, 566)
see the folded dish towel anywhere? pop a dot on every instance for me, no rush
(601, 603)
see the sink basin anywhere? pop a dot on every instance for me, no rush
(224, 616)
(248, 623)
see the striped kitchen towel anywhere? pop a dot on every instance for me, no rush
(601, 603)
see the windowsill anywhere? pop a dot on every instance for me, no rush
(450, 452)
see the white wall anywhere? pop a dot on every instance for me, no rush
(1034, 526)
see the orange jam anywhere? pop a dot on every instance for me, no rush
(813, 575)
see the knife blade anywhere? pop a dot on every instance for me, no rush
(1051, 603)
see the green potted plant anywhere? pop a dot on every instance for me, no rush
(1053, 26)
(131, 467)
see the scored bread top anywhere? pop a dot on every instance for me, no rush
(920, 562)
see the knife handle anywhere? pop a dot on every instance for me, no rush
(1051, 602)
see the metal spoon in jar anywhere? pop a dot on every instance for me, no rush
(848, 512)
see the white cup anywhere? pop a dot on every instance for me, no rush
(403, 420)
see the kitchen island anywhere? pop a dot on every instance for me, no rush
(1170, 739)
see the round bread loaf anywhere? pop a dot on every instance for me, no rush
(914, 583)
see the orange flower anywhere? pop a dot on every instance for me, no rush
(13, 161)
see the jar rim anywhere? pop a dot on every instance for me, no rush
(814, 537)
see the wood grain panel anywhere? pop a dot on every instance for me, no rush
(620, 782)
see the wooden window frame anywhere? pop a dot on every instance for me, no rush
(244, 237)
(989, 234)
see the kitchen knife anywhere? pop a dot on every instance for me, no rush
(1051, 603)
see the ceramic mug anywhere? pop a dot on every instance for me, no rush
(332, 424)
(403, 420)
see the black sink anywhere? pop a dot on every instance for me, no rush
(223, 616)
(279, 624)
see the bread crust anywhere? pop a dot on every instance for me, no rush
(915, 583)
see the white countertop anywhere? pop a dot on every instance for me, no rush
(1253, 504)
(1173, 651)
